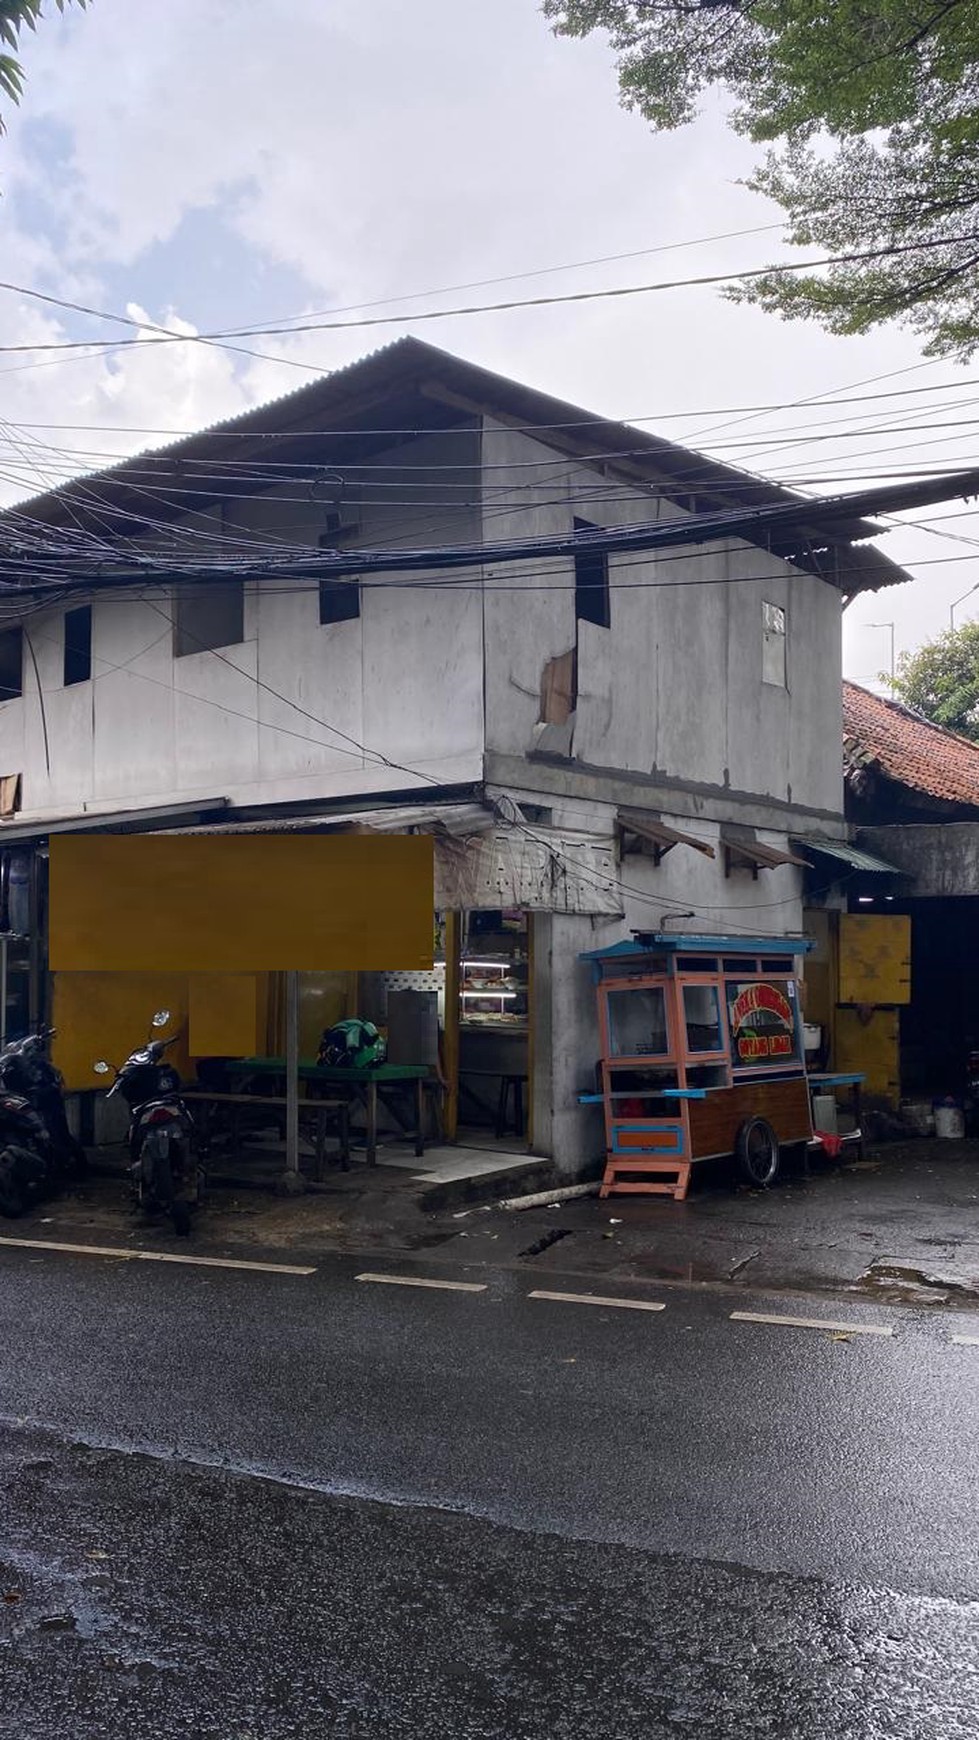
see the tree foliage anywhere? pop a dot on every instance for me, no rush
(870, 111)
(941, 680)
(15, 17)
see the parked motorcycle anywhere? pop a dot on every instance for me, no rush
(27, 1163)
(162, 1147)
(26, 1069)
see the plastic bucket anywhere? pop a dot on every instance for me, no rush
(949, 1123)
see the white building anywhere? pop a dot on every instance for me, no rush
(574, 713)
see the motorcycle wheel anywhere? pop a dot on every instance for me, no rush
(75, 1162)
(159, 1189)
(12, 1199)
(180, 1215)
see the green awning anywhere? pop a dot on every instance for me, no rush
(843, 852)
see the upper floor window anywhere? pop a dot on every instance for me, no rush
(78, 645)
(340, 598)
(207, 615)
(774, 634)
(591, 590)
(11, 663)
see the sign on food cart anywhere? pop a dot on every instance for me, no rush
(762, 1021)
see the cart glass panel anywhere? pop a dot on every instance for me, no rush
(637, 1022)
(702, 1015)
(762, 1017)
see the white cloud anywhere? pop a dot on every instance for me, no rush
(381, 150)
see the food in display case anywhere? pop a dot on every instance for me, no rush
(493, 991)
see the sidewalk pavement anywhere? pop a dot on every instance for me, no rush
(901, 1225)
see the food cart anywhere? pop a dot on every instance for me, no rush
(702, 1058)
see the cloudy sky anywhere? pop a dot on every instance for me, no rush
(207, 166)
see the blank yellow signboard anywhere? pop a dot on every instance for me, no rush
(223, 1009)
(233, 903)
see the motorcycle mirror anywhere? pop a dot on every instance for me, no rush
(161, 1018)
(101, 1068)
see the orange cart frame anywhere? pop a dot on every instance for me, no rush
(702, 1057)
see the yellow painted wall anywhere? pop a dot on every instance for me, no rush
(108, 1015)
(871, 1047)
(324, 998)
(819, 982)
(875, 959)
(241, 903)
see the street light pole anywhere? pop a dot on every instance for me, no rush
(892, 627)
(956, 602)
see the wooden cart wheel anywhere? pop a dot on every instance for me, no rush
(757, 1153)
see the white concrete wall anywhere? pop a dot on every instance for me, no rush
(673, 690)
(566, 1040)
(277, 717)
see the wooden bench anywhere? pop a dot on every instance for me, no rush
(328, 1112)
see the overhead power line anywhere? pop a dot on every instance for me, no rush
(164, 336)
(813, 519)
(403, 431)
(284, 322)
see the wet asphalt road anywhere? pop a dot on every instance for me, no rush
(478, 1514)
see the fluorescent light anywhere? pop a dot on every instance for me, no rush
(488, 993)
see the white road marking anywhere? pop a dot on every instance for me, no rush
(421, 1281)
(965, 1340)
(597, 1299)
(130, 1256)
(811, 1323)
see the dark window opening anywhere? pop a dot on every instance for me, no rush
(208, 616)
(11, 664)
(339, 600)
(78, 645)
(591, 590)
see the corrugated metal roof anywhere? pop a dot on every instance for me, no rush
(852, 856)
(750, 850)
(410, 370)
(461, 820)
(660, 833)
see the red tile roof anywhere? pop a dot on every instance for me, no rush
(908, 749)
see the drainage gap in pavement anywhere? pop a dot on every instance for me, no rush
(543, 1244)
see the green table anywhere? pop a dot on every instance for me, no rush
(366, 1085)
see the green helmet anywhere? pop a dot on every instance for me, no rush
(352, 1044)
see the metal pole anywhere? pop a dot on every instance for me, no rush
(292, 1074)
(3, 989)
(953, 607)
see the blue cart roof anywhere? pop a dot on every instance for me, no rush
(648, 942)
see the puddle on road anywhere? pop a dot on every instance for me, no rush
(906, 1285)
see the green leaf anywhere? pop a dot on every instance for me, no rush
(871, 112)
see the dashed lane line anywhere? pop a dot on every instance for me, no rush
(423, 1281)
(842, 1328)
(139, 1256)
(965, 1340)
(598, 1299)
